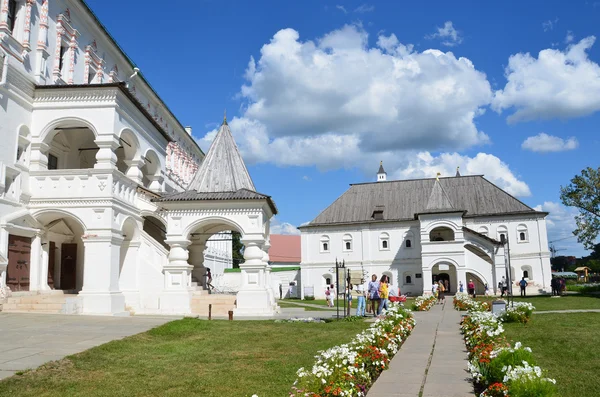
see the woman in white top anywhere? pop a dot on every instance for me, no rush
(360, 291)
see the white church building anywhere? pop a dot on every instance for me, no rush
(107, 203)
(424, 230)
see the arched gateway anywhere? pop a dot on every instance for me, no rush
(221, 197)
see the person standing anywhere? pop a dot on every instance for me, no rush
(503, 286)
(328, 297)
(384, 293)
(349, 298)
(373, 292)
(280, 291)
(434, 289)
(461, 287)
(471, 288)
(553, 285)
(361, 304)
(523, 284)
(486, 289)
(440, 290)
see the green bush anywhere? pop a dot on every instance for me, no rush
(309, 298)
(532, 388)
(493, 371)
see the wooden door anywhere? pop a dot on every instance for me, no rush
(51, 263)
(68, 266)
(19, 255)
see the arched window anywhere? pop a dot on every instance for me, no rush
(390, 277)
(408, 277)
(441, 233)
(408, 280)
(328, 281)
(408, 244)
(384, 241)
(483, 230)
(525, 273)
(502, 231)
(522, 234)
(408, 238)
(347, 242)
(324, 243)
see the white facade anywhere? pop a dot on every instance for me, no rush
(88, 148)
(437, 245)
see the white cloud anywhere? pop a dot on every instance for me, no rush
(341, 8)
(570, 37)
(549, 143)
(381, 98)
(558, 84)
(424, 165)
(560, 223)
(450, 36)
(549, 24)
(278, 227)
(306, 178)
(364, 8)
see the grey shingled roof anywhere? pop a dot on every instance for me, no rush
(403, 199)
(438, 199)
(223, 169)
(241, 194)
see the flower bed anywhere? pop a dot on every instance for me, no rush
(423, 303)
(350, 369)
(463, 302)
(497, 368)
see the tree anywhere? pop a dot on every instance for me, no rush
(237, 249)
(584, 193)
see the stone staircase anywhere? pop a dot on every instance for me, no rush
(56, 302)
(221, 304)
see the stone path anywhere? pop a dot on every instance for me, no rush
(432, 362)
(30, 340)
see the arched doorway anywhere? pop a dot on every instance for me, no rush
(441, 233)
(445, 272)
(64, 249)
(71, 146)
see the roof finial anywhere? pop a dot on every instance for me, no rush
(225, 117)
(437, 177)
(457, 171)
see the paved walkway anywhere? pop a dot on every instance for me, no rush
(432, 362)
(30, 340)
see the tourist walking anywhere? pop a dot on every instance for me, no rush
(503, 286)
(440, 290)
(471, 288)
(486, 289)
(434, 289)
(329, 297)
(523, 284)
(554, 284)
(208, 281)
(349, 298)
(373, 292)
(361, 295)
(461, 287)
(384, 293)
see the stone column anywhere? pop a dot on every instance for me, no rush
(35, 263)
(155, 183)
(100, 292)
(427, 281)
(38, 158)
(196, 253)
(253, 297)
(268, 279)
(106, 157)
(128, 278)
(134, 171)
(45, 261)
(176, 297)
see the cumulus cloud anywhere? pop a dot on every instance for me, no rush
(558, 84)
(385, 97)
(549, 143)
(278, 227)
(449, 35)
(424, 165)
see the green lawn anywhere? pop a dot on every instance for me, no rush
(189, 358)
(283, 303)
(565, 345)
(565, 302)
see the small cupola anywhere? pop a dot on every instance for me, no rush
(381, 174)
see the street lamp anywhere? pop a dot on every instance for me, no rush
(506, 244)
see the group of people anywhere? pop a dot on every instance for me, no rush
(438, 290)
(370, 300)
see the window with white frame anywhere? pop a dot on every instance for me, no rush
(66, 45)
(502, 231)
(347, 242)
(408, 278)
(384, 242)
(324, 243)
(94, 65)
(522, 235)
(12, 15)
(408, 240)
(483, 230)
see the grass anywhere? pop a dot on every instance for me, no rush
(189, 357)
(283, 303)
(564, 344)
(565, 302)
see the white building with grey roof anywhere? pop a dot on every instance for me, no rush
(425, 230)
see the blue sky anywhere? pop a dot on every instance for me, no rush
(335, 87)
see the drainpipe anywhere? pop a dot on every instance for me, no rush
(4, 68)
(135, 73)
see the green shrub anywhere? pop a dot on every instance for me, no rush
(532, 388)
(493, 371)
(309, 298)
